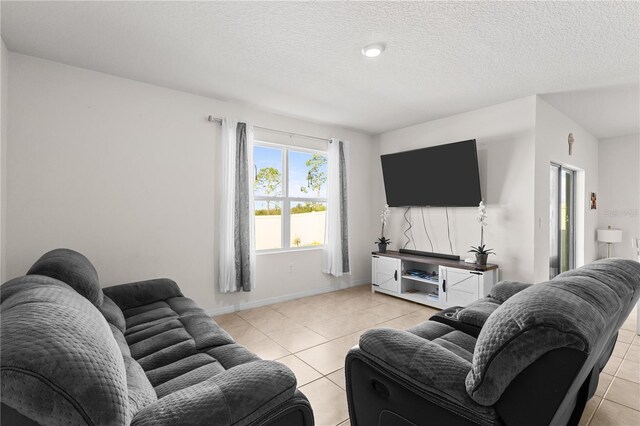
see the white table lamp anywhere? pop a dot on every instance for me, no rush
(609, 236)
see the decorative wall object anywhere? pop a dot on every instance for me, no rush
(594, 201)
(570, 140)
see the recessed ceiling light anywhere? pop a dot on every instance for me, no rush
(373, 50)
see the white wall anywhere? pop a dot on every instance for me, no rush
(4, 99)
(552, 130)
(619, 194)
(505, 138)
(124, 172)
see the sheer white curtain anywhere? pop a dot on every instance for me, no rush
(227, 194)
(236, 258)
(335, 259)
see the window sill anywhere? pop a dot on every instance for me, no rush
(289, 250)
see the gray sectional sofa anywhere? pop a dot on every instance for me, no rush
(534, 360)
(141, 354)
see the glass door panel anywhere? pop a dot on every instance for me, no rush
(562, 220)
(554, 225)
(567, 220)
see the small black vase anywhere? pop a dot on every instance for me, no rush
(382, 247)
(481, 259)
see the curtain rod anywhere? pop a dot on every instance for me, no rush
(213, 119)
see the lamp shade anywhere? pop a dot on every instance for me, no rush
(610, 235)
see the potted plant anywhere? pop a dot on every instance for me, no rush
(481, 252)
(382, 241)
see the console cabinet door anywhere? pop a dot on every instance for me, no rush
(387, 273)
(461, 286)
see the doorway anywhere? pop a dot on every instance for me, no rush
(562, 224)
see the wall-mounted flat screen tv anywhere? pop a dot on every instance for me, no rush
(438, 176)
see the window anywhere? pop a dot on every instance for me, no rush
(290, 191)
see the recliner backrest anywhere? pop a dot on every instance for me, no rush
(620, 275)
(579, 310)
(71, 268)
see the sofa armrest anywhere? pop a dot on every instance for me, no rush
(140, 293)
(477, 313)
(428, 365)
(239, 395)
(505, 289)
(394, 371)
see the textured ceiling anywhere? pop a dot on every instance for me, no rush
(302, 58)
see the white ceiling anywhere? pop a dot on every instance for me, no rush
(302, 58)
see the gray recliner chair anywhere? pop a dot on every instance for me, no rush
(139, 354)
(535, 361)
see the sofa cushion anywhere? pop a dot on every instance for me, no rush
(224, 399)
(71, 268)
(430, 330)
(175, 342)
(575, 311)
(458, 342)
(60, 361)
(141, 293)
(224, 357)
(190, 378)
(167, 372)
(231, 355)
(144, 316)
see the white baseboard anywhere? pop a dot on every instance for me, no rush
(360, 282)
(271, 300)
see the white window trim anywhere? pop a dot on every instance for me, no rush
(285, 234)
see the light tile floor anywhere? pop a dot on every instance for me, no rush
(312, 335)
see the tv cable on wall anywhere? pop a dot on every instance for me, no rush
(425, 253)
(446, 210)
(425, 228)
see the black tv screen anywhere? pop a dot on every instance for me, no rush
(438, 176)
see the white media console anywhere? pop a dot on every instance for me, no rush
(448, 282)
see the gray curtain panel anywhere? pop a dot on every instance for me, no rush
(242, 236)
(343, 210)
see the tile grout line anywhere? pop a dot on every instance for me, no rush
(617, 402)
(596, 410)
